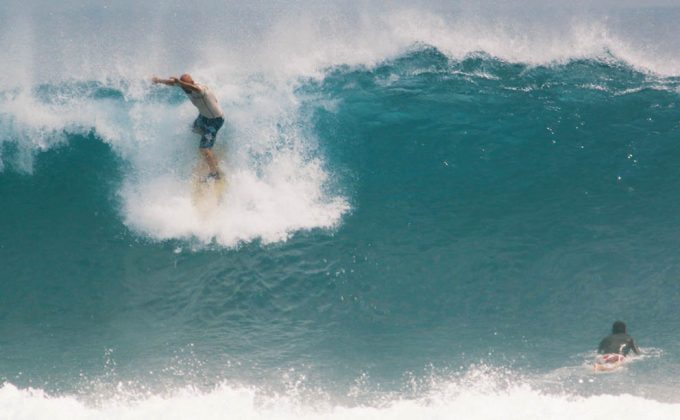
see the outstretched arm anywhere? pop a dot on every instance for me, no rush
(172, 81)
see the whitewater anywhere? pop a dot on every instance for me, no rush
(435, 210)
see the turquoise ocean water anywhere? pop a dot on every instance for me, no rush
(434, 210)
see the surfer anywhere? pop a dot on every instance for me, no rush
(210, 117)
(618, 342)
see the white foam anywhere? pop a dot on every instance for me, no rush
(270, 207)
(235, 402)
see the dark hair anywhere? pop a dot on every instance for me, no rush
(619, 327)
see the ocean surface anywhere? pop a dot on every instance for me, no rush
(435, 210)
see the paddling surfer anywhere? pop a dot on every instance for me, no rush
(618, 342)
(210, 116)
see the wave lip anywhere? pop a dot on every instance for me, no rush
(304, 37)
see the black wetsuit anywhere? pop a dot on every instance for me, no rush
(619, 343)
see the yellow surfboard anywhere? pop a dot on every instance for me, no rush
(207, 193)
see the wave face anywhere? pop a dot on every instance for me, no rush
(433, 211)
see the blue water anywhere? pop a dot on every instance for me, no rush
(425, 234)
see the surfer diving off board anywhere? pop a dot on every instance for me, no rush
(210, 117)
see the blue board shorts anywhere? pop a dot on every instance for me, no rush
(208, 127)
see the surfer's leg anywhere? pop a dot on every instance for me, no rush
(210, 159)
